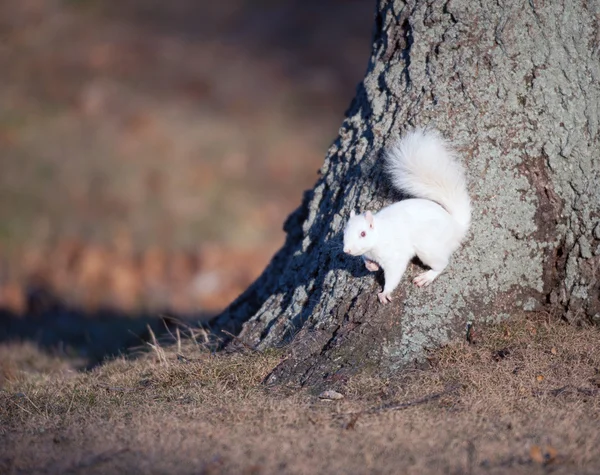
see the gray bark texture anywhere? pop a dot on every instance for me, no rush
(515, 85)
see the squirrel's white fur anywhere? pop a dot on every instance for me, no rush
(431, 225)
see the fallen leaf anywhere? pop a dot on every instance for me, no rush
(536, 454)
(551, 454)
(543, 455)
(539, 378)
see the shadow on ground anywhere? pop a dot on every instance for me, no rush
(88, 337)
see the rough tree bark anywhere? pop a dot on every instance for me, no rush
(515, 84)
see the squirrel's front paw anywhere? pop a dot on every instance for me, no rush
(384, 297)
(371, 265)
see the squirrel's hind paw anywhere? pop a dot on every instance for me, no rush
(426, 278)
(384, 297)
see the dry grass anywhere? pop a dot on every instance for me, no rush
(524, 399)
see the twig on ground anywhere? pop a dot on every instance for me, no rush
(354, 416)
(71, 403)
(416, 402)
(568, 389)
(115, 388)
(22, 408)
(34, 405)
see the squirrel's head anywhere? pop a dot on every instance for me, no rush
(359, 234)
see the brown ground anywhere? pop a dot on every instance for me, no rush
(523, 398)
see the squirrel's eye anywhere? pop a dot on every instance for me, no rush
(363, 234)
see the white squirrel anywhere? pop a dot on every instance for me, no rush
(431, 225)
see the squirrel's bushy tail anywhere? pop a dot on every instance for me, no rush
(423, 165)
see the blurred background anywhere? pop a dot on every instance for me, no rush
(150, 151)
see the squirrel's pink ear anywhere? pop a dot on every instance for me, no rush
(352, 213)
(369, 218)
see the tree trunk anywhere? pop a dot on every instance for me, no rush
(515, 85)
